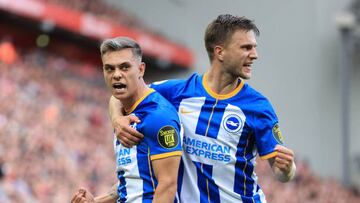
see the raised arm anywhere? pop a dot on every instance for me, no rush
(283, 164)
(127, 135)
(166, 172)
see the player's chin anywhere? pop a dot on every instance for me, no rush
(118, 95)
(245, 76)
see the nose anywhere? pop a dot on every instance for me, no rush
(253, 53)
(117, 74)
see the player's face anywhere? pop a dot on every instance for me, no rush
(240, 53)
(122, 73)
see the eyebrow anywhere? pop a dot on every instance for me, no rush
(248, 45)
(126, 63)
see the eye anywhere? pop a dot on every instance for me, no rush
(125, 66)
(247, 47)
(108, 68)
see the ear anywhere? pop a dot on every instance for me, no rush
(219, 53)
(141, 69)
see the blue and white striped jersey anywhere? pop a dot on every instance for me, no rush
(161, 129)
(222, 136)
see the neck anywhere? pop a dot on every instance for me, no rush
(129, 102)
(220, 81)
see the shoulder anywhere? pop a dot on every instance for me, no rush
(161, 120)
(255, 105)
(255, 97)
(174, 83)
(160, 110)
(172, 90)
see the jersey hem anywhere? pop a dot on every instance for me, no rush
(268, 156)
(165, 155)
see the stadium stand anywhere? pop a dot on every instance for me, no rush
(54, 131)
(55, 134)
(305, 188)
(104, 11)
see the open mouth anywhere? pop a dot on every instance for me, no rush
(119, 86)
(248, 65)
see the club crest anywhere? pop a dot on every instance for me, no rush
(232, 123)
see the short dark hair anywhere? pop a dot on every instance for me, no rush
(223, 27)
(120, 43)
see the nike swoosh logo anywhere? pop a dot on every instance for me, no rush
(184, 111)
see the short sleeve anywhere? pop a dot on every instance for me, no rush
(162, 134)
(267, 131)
(167, 88)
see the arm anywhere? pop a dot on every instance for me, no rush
(84, 196)
(109, 197)
(283, 165)
(166, 172)
(121, 123)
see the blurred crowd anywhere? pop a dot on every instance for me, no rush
(305, 188)
(55, 136)
(105, 11)
(54, 131)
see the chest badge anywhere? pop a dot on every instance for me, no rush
(232, 123)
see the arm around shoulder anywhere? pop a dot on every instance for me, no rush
(115, 107)
(121, 123)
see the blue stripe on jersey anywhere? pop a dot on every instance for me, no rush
(250, 167)
(204, 171)
(248, 200)
(213, 189)
(215, 123)
(249, 180)
(146, 174)
(204, 117)
(244, 184)
(211, 113)
(122, 187)
(257, 198)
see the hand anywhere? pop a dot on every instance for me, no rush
(83, 196)
(284, 159)
(127, 135)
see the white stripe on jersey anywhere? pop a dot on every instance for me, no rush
(131, 175)
(262, 196)
(226, 182)
(189, 111)
(189, 189)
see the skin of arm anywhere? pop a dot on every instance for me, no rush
(166, 172)
(84, 196)
(109, 197)
(283, 165)
(121, 123)
(115, 108)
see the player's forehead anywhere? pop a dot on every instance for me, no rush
(243, 37)
(118, 57)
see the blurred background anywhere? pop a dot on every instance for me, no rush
(55, 134)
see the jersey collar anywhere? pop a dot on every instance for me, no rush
(129, 111)
(221, 96)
